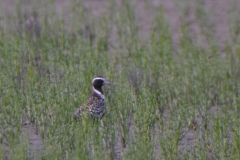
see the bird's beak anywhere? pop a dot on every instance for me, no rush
(105, 82)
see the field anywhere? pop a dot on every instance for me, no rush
(173, 64)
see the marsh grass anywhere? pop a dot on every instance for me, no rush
(45, 77)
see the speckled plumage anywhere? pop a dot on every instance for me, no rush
(95, 103)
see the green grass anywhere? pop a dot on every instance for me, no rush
(44, 79)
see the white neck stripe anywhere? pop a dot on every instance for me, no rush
(99, 93)
(98, 78)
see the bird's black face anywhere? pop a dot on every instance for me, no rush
(97, 83)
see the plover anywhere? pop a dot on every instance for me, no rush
(95, 103)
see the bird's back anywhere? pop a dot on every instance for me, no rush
(95, 105)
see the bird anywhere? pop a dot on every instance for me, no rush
(95, 102)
